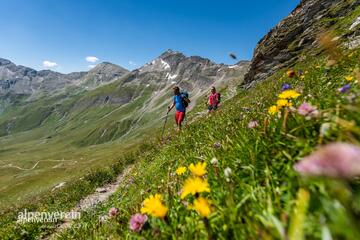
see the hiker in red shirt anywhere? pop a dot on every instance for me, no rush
(214, 100)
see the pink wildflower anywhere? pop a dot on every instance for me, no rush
(113, 212)
(337, 160)
(137, 222)
(253, 124)
(308, 110)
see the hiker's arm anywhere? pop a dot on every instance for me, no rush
(171, 106)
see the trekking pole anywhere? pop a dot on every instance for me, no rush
(166, 118)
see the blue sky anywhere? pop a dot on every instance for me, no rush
(132, 33)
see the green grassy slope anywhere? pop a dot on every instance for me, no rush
(263, 197)
(259, 199)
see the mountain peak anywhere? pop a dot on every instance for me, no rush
(169, 53)
(108, 67)
(4, 61)
(104, 72)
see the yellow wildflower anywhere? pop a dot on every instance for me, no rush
(194, 185)
(202, 206)
(349, 78)
(302, 77)
(154, 207)
(283, 103)
(273, 110)
(287, 94)
(199, 169)
(180, 170)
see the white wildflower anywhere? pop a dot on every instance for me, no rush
(214, 161)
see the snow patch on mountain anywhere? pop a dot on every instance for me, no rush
(233, 66)
(171, 77)
(165, 64)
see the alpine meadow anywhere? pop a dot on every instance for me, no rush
(266, 148)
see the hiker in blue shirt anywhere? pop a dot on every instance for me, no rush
(180, 102)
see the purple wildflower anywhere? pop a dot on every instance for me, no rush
(345, 88)
(137, 221)
(336, 160)
(285, 86)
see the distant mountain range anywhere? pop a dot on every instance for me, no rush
(108, 92)
(169, 68)
(18, 79)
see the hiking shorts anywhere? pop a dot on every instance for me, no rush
(179, 117)
(212, 108)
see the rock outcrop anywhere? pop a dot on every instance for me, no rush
(281, 46)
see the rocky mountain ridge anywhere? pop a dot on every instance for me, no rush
(191, 73)
(171, 67)
(296, 33)
(20, 80)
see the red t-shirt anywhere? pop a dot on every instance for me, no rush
(214, 99)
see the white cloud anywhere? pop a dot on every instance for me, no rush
(91, 59)
(91, 66)
(49, 64)
(132, 63)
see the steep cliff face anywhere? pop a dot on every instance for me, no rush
(298, 32)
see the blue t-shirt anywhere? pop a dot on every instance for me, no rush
(179, 104)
